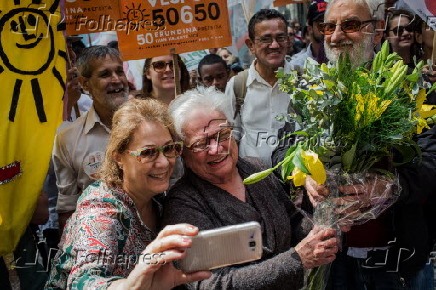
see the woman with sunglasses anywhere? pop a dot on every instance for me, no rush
(159, 81)
(211, 194)
(112, 239)
(400, 32)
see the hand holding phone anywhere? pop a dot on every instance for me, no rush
(211, 249)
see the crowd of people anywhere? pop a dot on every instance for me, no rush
(138, 173)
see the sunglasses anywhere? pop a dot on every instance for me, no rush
(347, 26)
(150, 154)
(160, 66)
(398, 30)
(204, 143)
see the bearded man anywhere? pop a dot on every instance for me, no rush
(392, 251)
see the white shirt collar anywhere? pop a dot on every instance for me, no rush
(92, 119)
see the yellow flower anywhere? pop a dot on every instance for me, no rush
(421, 124)
(370, 105)
(313, 165)
(298, 176)
(423, 111)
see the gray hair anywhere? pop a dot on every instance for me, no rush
(205, 99)
(94, 52)
(376, 7)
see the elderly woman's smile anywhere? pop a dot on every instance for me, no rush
(218, 161)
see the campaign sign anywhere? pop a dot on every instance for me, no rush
(92, 16)
(156, 26)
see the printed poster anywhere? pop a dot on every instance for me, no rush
(92, 16)
(156, 26)
(192, 59)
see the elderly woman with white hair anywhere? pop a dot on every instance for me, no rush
(211, 194)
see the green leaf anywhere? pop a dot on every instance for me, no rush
(413, 77)
(298, 161)
(348, 157)
(287, 169)
(432, 89)
(384, 172)
(287, 165)
(407, 153)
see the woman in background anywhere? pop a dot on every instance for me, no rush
(159, 81)
(400, 33)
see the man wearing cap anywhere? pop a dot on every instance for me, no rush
(313, 50)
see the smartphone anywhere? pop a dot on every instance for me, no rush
(220, 247)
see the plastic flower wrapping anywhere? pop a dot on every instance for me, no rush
(358, 123)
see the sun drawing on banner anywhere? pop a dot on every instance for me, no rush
(26, 34)
(22, 31)
(134, 15)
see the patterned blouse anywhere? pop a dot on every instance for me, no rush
(101, 242)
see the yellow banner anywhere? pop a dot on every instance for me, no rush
(156, 26)
(32, 78)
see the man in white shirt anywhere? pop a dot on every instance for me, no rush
(268, 41)
(79, 148)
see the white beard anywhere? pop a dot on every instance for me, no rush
(359, 52)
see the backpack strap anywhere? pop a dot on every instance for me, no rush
(240, 90)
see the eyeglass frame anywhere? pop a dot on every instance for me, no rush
(360, 27)
(208, 138)
(284, 35)
(137, 153)
(167, 63)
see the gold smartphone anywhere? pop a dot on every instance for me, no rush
(220, 247)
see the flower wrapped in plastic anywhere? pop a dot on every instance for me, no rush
(358, 124)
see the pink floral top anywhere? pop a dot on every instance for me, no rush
(102, 240)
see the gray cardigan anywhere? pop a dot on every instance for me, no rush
(195, 201)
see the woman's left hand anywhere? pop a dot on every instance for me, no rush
(155, 269)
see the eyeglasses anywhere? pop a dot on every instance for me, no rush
(347, 26)
(267, 40)
(160, 66)
(150, 154)
(204, 143)
(398, 30)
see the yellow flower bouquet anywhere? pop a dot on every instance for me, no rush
(352, 118)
